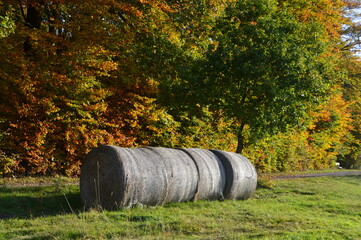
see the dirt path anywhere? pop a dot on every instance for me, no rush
(325, 174)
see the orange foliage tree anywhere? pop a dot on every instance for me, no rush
(57, 77)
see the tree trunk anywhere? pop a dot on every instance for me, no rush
(240, 138)
(33, 20)
(33, 17)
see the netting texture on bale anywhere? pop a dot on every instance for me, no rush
(114, 177)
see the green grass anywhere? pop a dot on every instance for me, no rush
(312, 208)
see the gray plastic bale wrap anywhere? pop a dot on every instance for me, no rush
(241, 176)
(212, 179)
(114, 177)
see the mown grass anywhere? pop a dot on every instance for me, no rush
(312, 208)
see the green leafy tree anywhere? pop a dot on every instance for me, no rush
(160, 60)
(7, 24)
(265, 68)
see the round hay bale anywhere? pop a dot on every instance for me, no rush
(114, 177)
(179, 171)
(241, 176)
(211, 173)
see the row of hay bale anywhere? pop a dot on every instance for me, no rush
(113, 177)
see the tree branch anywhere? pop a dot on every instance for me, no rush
(22, 11)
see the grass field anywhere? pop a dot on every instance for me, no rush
(312, 208)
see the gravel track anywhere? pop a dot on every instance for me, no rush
(325, 174)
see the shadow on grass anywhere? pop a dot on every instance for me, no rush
(31, 202)
(37, 201)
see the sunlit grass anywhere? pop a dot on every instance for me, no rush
(312, 208)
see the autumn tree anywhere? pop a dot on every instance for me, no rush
(164, 73)
(352, 94)
(58, 77)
